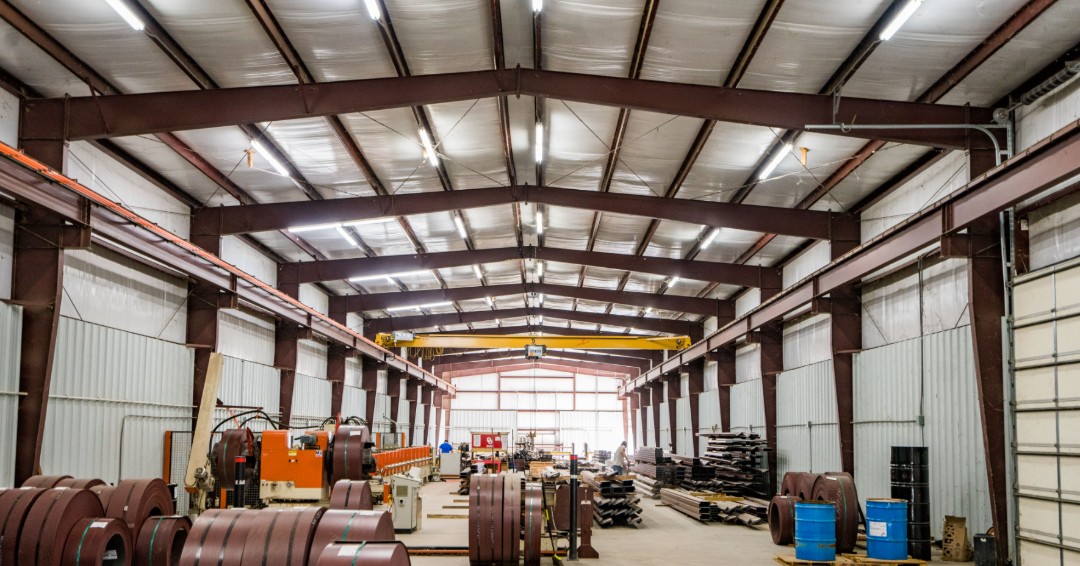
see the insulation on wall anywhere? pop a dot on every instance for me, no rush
(1053, 232)
(311, 358)
(922, 392)
(246, 336)
(747, 363)
(113, 396)
(915, 302)
(926, 188)
(807, 341)
(10, 344)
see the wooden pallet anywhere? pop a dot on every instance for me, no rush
(864, 559)
(792, 561)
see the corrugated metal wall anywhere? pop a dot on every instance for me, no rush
(311, 400)
(246, 336)
(113, 396)
(311, 358)
(888, 382)
(10, 344)
(708, 416)
(807, 434)
(747, 408)
(354, 402)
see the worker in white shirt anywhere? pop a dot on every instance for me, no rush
(619, 462)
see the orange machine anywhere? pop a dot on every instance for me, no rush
(292, 466)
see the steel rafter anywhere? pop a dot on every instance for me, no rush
(94, 117)
(523, 365)
(334, 269)
(544, 328)
(587, 356)
(520, 359)
(668, 326)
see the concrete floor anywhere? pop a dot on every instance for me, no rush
(665, 537)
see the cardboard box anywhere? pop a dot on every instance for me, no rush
(955, 546)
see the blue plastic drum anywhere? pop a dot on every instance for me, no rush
(887, 529)
(815, 531)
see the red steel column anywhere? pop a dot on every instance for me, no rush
(369, 382)
(657, 396)
(644, 400)
(772, 363)
(393, 391)
(632, 408)
(846, 341)
(426, 392)
(671, 381)
(336, 361)
(412, 396)
(725, 379)
(286, 337)
(695, 388)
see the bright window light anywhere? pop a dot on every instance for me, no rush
(539, 222)
(648, 310)
(125, 12)
(314, 227)
(538, 5)
(348, 237)
(418, 307)
(776, 159)
(671, 282)
(373, 9)
(399, 309)
(539, 143)
(277, 165)
(709, 239)
(460, 226)
(901, 17)
(476, 270)
(429, 149)
(539, 269)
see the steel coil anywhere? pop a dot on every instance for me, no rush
(104, 492)
(495, 519)
(339, 525)
(841, 491)
(79, 483)
(234, 443)
(351, 495)
(367, 554)
(94, 542)
(805, 485)
(534, 523)
(14, 505)
(790, 484)
(134, 501)
(347, 453)
(782, 519)
(511, 519)
(44, 482)
(50, 520)
(280, 536)
(217, 538)
(161, 541)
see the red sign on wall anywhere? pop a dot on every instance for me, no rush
(487, 441)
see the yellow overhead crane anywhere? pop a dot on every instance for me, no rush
(493, 341)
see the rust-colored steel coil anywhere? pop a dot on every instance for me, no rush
(790, 484)
(104, 492)
(44, 482)
(133, 501)
(14, 505)
(841, 491)
(534, 523)
(347, 453)
(280, 536)
(363, 553)
(511, 519)
(782, 519)
(351, 495)
(234, 443)
(79, 483)
(217, 538)
(341, 525)
(161, 541)
(805, 486)
(50, 519)
(99, 541)
(495, 519)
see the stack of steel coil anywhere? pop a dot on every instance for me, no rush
(495, 519)
(835, 487)
(351, 495)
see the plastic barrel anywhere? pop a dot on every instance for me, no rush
(911, 481)
(815, 531)
(886, 529)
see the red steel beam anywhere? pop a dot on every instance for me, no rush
(390, 324)
(1052, 164)
(334, 269)
(725, 310)
(286, 351)
(93, 117)
(589, 356)
(756, 218)
(514, 362)
(519, 365)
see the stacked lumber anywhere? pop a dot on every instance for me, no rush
(735, 458)
(615, 502)
(715, 508)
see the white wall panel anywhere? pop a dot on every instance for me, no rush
(354, 368)
(708, 417)
(311, 296)
(747, 363)
(813, 258)
(1038, 121)
(807, 434)
(684, 434)
(7, 249)
(311, 400)
(9, 118)
(246, 336)
(311, 358)
(10, 344)
(101, 173)
(808, 341)
(104, 288)
(748, 408)
(242, 255)
(894, 309)
(926, 188)
(747, 301)
(248, 384)
(665, 426)
(353, 402)
(1053, 233)
(109, 384)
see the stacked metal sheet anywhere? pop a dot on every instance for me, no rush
(647, 487)
(713, 508)
(616, 502)
(736, 458)
(698, 475)
(651, 463)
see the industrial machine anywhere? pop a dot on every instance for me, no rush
(292, 466)
(407, 505)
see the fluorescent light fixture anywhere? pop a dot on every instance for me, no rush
(539, 269)
(429, 149)
(776, 159)
(671, 282)
(348, 237)
(539, 222)
(709, 239)
(438, 304)
(460, 226)
(538, 5)
(476, 270)
(901, 17)
(120, 7)
(373, 9)
(490, 301)
(387, 276)
(399, 309)
(539, 143)
(277, 165)
(541, 299)
(541, 319)
(313, 227)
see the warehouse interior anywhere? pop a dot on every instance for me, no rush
(393, 281)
